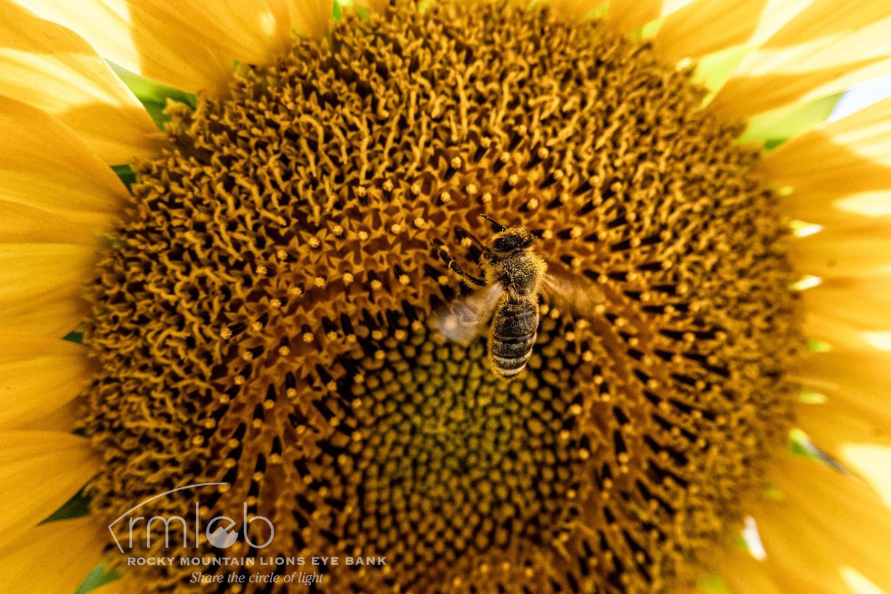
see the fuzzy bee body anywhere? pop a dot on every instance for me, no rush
(512, 335)
(514, 277)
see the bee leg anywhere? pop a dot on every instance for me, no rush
(477, 248)
(456, 269)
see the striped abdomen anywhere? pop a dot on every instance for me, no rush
(514, 329)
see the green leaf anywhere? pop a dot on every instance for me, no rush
(125, 173)
(76, 507)
(713, 584)
(97, 577)
(152, 95)
(775, 127)
(75, 336)
(713, 70)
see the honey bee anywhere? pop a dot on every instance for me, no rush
(514, 277)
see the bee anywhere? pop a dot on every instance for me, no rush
(514, 277)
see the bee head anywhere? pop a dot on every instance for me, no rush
(510, 240)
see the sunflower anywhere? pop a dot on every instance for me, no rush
(229, 230)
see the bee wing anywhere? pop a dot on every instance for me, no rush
(465, 318)
(572, 292)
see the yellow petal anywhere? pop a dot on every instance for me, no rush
(44, 165)
(39, 471)
(628, 15)
(53, 558)
(859, 584)
(61, 420)
(825, 520)
(706, 26)
(579, 10)
(41, 287)
(844, 252)
(836, 424)
(832, 317)
(37, 377)
(856, 386)
(873, 463)
(847, 159)
(187, 45)
(308, 18)
(50, 67)
(20, 223)
(861, 380)
(743, 574)
(822, 50)
(834, 297)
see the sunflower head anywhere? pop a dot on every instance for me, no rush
(292, 329)
(264, 319)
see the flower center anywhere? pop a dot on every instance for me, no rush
(265, 316)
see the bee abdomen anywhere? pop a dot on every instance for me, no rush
(514, 330)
